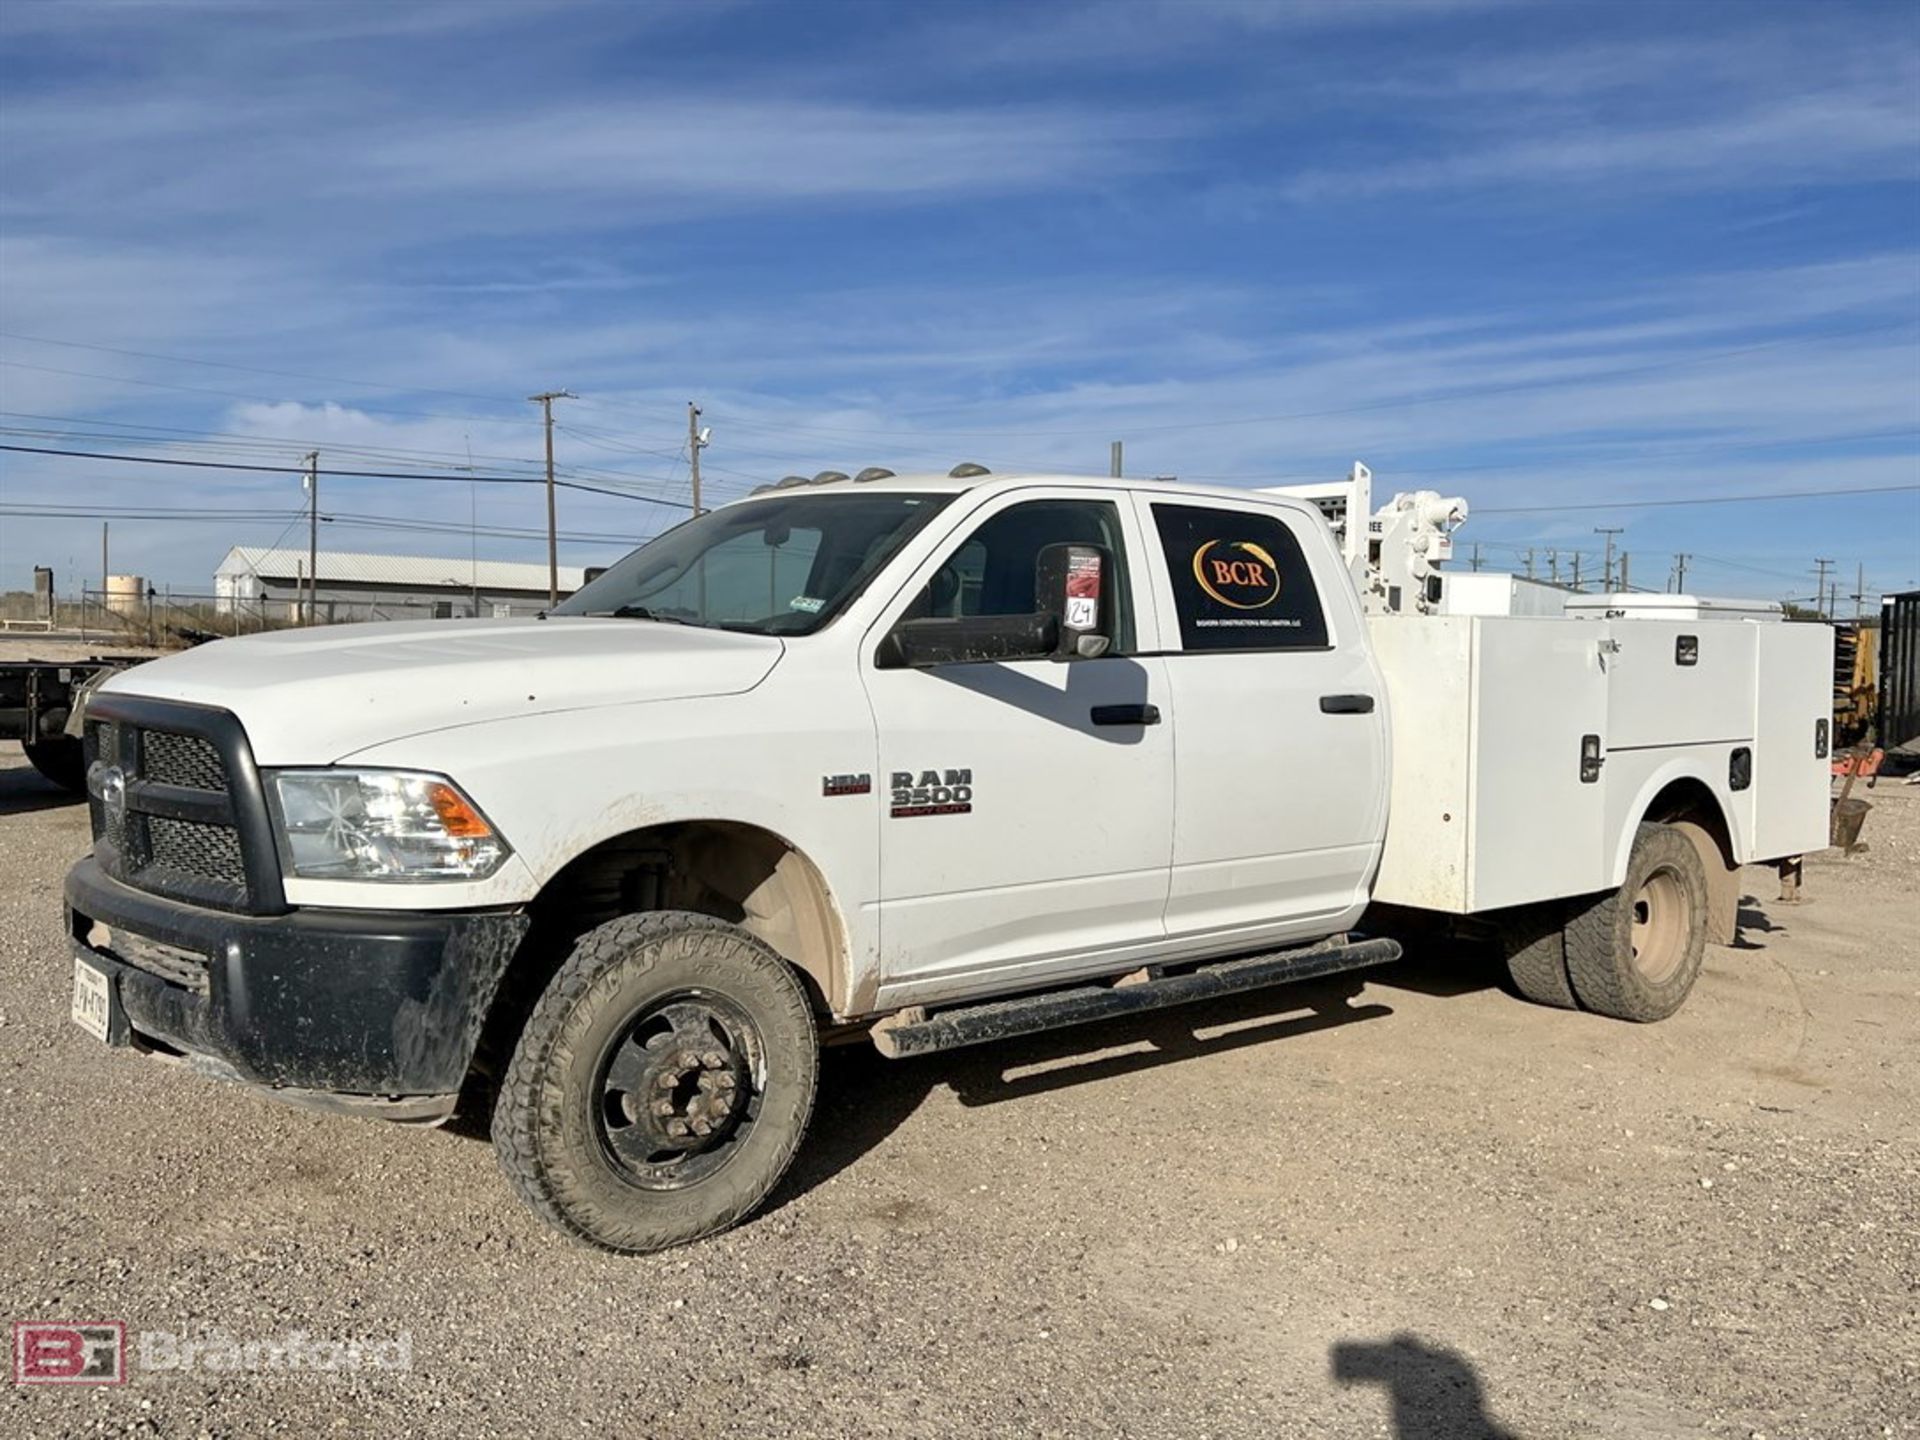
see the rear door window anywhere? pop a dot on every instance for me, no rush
(1240, 580)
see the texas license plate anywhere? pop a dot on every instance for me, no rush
(92, 1000)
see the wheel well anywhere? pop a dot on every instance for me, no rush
(742, 874)
(1691, 808)
(1690, 800)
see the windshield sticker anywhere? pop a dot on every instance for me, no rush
(810, 604)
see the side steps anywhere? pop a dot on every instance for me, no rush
(914, 1031)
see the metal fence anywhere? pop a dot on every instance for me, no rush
(173, 617)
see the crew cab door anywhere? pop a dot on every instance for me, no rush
(1280, 738)
(1026, 803)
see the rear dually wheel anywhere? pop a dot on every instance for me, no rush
(1635, 952)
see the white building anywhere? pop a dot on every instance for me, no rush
(272, 583)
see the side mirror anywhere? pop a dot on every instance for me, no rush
(1072, 619)
(1071, 583)
(940, 641)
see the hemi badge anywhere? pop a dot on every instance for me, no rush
(846, 785)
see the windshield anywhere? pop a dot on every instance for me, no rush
(784, 565)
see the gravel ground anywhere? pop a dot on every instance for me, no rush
(1410, 1207)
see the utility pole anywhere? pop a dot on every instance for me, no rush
(1606, 582)
(1820, 588)
(1623, 571)
(1859, 592)
(1476, 555)
(545, 401)
(1529, 562)
(696, 442)
(1113, 459)
(103, 565)
(312, 487)
(1553, 567)
(1680, 573)
(1576, 570)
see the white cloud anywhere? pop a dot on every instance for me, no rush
(404, 195)
(1827, 137)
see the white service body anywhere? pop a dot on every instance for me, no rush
(1487, 812)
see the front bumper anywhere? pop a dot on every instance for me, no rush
(360, 1010)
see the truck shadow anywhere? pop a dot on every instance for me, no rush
(22, 791)
(1753, 921)
(864, 1097)
(1444, 968)
(1433, 1393)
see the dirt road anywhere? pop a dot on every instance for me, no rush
(1411, 1207)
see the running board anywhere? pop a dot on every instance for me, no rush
(915, 1032)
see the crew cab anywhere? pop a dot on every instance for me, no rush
(930, 759)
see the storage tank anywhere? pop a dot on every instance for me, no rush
(127, 595)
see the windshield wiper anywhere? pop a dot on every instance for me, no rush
(641, 612)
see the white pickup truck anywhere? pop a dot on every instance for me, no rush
(929, 759)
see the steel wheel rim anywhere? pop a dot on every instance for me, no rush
(678, 1089)
(1662, 916)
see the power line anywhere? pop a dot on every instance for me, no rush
(259, 399)
(1695, 500)
(254, 369)
(1633, 457)
(228, 439)
(344, 519)
(346, 474)
(293, 448)
(35, 511)
(586, 437)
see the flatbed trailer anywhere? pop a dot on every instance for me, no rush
(38, 704)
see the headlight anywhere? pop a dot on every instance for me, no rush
(381, 825)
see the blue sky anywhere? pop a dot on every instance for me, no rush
(1543, 255)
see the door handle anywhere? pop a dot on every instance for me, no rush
(1126, 714)
(1346, 704)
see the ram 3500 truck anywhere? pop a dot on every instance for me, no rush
(931, 759)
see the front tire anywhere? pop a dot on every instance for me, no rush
(662, 1083)
(1634, 953)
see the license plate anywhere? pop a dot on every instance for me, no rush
(92, 1000)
